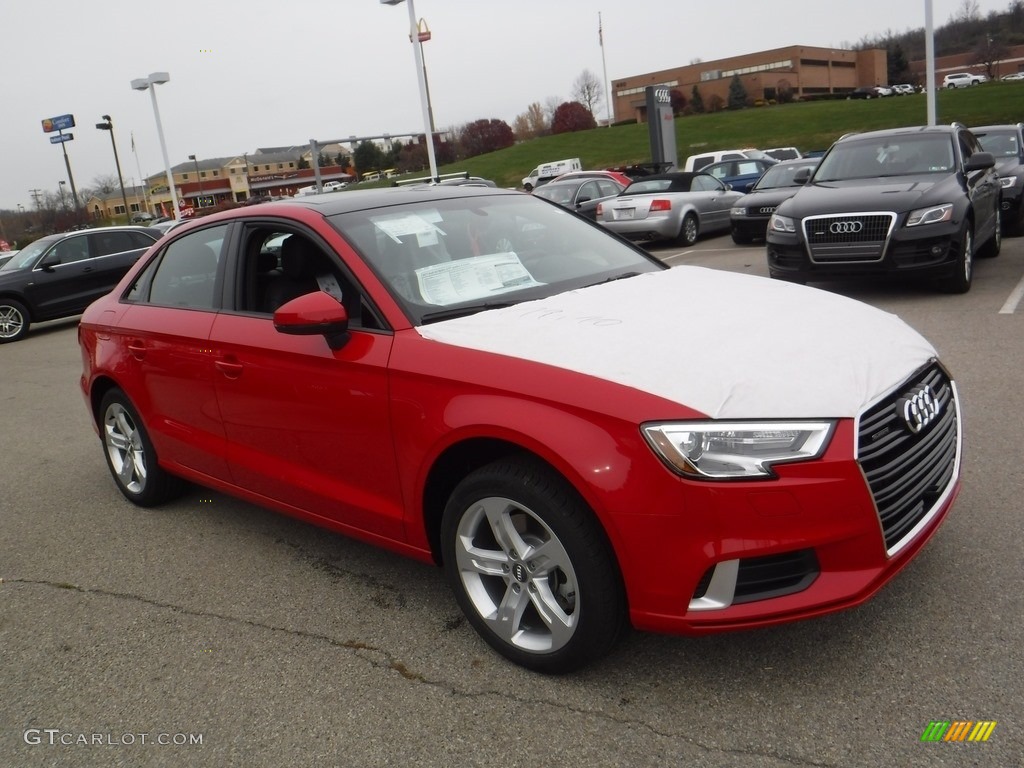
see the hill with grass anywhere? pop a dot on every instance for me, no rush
(812, 125)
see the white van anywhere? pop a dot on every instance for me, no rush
(547, 171)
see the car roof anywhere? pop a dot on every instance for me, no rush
(904, 131)
(364, 199)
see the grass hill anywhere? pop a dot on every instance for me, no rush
(806, 125)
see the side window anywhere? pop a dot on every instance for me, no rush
(186, 273)
(140, 239)
(281, 265)
(70, 250)
(607, 188)
(588, 191)
(105, 243)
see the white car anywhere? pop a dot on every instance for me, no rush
(962, 80)
(1014, 76)
(902, 89)
(334, 186)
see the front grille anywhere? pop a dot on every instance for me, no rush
(909, 471)
(850, 237)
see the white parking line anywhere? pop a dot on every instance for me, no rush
(1013, 300)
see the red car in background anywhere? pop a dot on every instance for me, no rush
(470, 377)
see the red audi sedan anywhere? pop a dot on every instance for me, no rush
(582, 438)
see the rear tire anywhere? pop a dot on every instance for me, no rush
(995, 244)
(689, 231)
(531, 567)
(14, 321)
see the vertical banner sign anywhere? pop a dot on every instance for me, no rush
(661, 126)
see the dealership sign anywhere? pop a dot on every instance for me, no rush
(61, 138)
(59, 123)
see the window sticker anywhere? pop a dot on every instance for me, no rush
(422, 225)
(451, 282)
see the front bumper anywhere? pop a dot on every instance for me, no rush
(927, 252)
(824, 536)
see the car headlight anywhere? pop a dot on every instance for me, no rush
(1006, 182)
(731, 450)
(932, 215)
(738, 211)
(781, 224)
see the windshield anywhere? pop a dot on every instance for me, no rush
(880, 156)
(438, 257)
(999, 143)
(27, 255)
(778, 176)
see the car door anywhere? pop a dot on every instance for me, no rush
(587, 198)
(307, 426)
(163, 346)
(64, 281)
(983, 189)
(114, 252)
(713, 201)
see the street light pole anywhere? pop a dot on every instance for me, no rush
(150, 83)
(63, 202)
(199, 200)
(108, 125)
(421, 77)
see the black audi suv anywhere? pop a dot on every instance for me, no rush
(906, 202)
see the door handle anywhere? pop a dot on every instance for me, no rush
(230, 368)
(137, 349)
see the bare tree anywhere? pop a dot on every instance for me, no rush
(588, 91)
(531, 123)
(968, 11)
(105, 184)
(551, 103)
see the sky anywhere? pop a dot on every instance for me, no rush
(269, 73)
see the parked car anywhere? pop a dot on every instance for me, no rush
(749, 216)
(580, 195)
(914, 203)
(883, 90)
(517, 416)
(1014, 76)
(60, 275)
(167, 226)
(863, 93)
(962, 80)
(1006, 144)
(334, 186)
(669, 206)
(740, 175)
(6, 256)
(903, 89)
(784, 153)
(699, 161)
(617, 176)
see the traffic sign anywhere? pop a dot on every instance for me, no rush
(61, 138)
(59, 123)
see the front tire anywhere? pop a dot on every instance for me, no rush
(960, 282)
(741, 239)
(130, 455)
(14, 321)
(531, 567)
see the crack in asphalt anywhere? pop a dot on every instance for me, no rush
(391, 663)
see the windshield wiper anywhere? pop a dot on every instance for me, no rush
(623, 276)
(471, 309)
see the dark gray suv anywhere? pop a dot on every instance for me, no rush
(60, 275)
(907, 202)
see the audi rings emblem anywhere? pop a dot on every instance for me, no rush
(919, 408)
(845, 227)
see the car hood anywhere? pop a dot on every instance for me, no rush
(759, 198)
(1008, 166)
(728, 345)
(899, 195)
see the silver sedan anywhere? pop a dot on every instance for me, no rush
(670, 206)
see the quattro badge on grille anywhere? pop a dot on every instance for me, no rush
(919, 407)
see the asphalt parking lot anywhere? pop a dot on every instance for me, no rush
(214, 633)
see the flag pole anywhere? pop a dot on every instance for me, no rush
(604, 65)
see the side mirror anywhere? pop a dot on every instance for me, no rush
(50, 261)
(314, 314)
(802, 176)
(979, 161)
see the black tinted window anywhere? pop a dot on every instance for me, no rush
(185, 274)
